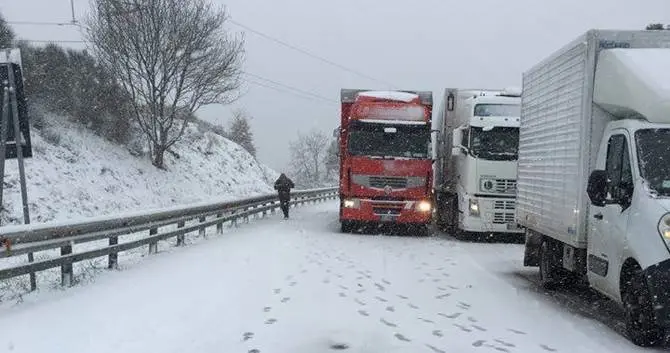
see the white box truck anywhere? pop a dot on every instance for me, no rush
(594, 172)
(475, 173)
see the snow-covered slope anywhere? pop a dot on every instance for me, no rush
(75, 173)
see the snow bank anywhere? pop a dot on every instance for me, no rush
(393, 95)
(75, 173)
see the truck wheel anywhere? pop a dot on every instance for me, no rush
(549, 270)
(641, 323)
(346, 226)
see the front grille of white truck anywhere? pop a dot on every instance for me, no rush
(505, 186)
(503, 217)
(501, 211)
(504, 205)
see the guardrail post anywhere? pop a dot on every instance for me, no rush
(153, 246)
(246, 216)
(66, 270)
(202, 231)
(33, 278)
(113, 258)
(219, 226)
(180, 237)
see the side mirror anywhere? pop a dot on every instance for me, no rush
(336, 132)
(597, 188)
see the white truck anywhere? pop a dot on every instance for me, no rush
(475, 174)
(594, 173)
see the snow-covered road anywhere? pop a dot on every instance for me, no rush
(298, 286)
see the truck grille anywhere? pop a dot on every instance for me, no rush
(503, 217)
(394, 182)
(503, 205)
(505, 186)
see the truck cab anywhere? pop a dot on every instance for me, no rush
(478, 187)
(385, 158)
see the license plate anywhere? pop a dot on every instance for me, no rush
(387, 218)
(511, 226)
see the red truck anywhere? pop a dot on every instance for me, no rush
(386, 172)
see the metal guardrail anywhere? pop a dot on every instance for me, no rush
(24, 239)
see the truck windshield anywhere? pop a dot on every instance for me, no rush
(653, 154)
(497, 144)
(407, 142)
(497, 110)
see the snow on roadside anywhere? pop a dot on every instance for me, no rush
(75, 173)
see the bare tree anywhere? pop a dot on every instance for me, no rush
(240, 131)
(6, 34)
(171, 56)
(655, 27)
(307, 158)
(332, 160)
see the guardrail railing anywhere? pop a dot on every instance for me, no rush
(32, 238)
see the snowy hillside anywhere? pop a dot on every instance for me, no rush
(75, 173)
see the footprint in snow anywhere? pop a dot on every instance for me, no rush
(427, 320)
(292, 284)
(270, 321)
(387, 323)
(363, 313)
(285, 299)
(247, 336)
(465, 306)
(506, 344)
(277, 290)
(412, 306)
(267, 309)
(479, 328)
(342, 295)
(437, 333)
(360, 290)
(254, 351)
(386, 282)
(435, 280)
(472, 319)
(463, 328)
(343, 287)
(380, 287)
(442, 296)
(435, 349)
(547, 348)
(450, 316)
(516, 331)
(478, 343)
(452, 287)
(402, 338)
(359, 302)
(390, 309)
(402, 296)
(381, 299)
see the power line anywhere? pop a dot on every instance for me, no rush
(52, 41)
(305, 52)
(284, 91)
(290, 87)
(37, 23)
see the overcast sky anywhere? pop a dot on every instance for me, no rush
(424, 44)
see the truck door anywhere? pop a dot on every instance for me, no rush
(608, 224)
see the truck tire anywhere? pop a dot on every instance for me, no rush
(346, 226)
(641, 325)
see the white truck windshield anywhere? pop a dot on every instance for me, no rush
(497, 144)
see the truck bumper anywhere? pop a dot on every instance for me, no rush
(392, 212)
(491, 215)
(658, 277)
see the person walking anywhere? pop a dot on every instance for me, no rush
(283, 185)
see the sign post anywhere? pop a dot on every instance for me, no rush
(14, 130)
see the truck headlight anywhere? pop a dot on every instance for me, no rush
(487, 184)
(351, 203)
(474, 207)
(424, 206)
(664, 227)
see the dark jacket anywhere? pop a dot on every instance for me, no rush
(284, 185)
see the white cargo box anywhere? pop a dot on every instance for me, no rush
(561, 129)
